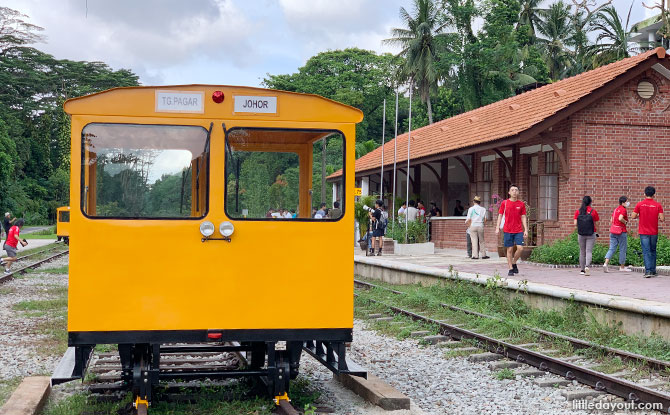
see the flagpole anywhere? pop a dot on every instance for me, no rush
(395, 150)
(381, 175)
(409, 145)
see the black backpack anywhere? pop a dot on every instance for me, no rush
(585, 224)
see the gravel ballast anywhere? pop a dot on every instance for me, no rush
(21, 351)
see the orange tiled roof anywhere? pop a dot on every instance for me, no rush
(501, 119)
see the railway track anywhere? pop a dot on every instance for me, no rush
(182, 366)
(629, 390)
(17, 271)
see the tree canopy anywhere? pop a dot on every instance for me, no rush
(34, 130)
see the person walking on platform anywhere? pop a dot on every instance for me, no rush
(515, 227)
(585, 221)
(650, 212)
(618, 235)
(477, 218)
(11, 244)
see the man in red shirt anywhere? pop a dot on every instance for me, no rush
(11, 245)
(515, 227)
(650, 212)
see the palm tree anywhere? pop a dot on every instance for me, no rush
(530, 16)
(420, 41)
(614, 40)
(556, 29)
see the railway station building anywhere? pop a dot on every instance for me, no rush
(603, 133)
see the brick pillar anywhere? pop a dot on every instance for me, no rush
(444, 181)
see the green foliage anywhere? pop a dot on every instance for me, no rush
(566, 252)
(355, 77)
(505, 373)
(417, 231)
(34, 129)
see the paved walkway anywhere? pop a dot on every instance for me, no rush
(625, 284)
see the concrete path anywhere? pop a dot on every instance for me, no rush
(625, 284)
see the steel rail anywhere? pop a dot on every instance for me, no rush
(599, 381)
(9, 277)
(655, 364)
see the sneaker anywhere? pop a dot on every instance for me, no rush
(581, 272)
(510, 273)
(486, 257)
(515, 269)
(475, 257)
(7, 272)
(605, 268)
(626, 269)
(587, 271)
(648, 275)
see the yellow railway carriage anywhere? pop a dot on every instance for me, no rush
(193, 209)
(63, 224)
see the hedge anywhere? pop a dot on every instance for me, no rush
(566, 251)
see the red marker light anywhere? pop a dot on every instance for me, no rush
(214, 336)
(217, 96)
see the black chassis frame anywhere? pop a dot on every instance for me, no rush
(140, 353)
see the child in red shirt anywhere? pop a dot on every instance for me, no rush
(11, 245)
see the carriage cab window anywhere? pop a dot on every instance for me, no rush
(280, 174)
(144, 171)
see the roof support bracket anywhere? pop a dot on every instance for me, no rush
(565, 169)
(467, 169)
(508, 165)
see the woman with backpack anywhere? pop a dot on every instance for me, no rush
(585, 221)
(618, 235)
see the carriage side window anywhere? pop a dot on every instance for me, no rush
(64, 216)
(144, 171)
(281, 174)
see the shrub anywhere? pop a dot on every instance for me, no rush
(416, 231)
(566, 251)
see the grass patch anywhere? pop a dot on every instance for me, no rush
(106, 348)
(7, 290)
(51, 315)
(41, 305)
(233, 399)
(575, 320)
(56, 270)
(7, 387)
(448, 354)
(505, 373)
(40, 236)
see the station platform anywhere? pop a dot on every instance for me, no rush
(641, 304)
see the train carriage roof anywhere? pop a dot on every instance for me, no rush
(141, 101)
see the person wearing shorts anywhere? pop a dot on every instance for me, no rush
(515, 228)
(378, 228)
(11, 245)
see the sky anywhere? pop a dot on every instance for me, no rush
(225, 42)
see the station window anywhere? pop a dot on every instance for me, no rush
(144, 171)
(281, 174)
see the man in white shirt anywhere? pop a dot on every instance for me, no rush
(477, 217)
(412, 212)
(401, 212)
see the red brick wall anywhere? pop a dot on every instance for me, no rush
(619, 145)
(450, 233)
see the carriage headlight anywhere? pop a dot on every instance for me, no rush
(207, 229)
(226, 228)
